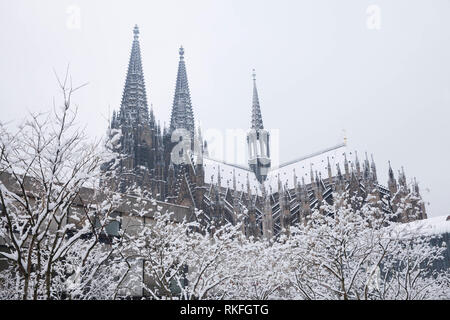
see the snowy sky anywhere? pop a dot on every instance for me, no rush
(322, 66)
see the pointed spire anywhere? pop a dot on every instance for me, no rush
(279, 184)
(392, 183)
(330, 173)
(219, 177)
(181, 52)
(295, 179)
(182, 115)
(339, 173)
(134, 100)
(402, 177)
(257, 122)
(391, 172)
(374, 169)
(317, 184)
(353, 175)
(416, 187)
(366, 170)
(347, 172)
(358, 167)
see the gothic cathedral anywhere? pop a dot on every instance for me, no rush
(267, 200)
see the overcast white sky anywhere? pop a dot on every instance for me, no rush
(320, 69)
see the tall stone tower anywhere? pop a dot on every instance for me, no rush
(181, 132)
(139, 140)
(258, 140)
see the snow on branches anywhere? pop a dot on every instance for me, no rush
(62, 236)
(49, 219)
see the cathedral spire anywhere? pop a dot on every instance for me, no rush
(330, 173)
(182, 115)
(392, 184)
(134, 100)
(374, 168)
(257, 122)
(258, 140)
(391, 172)
(358, 167)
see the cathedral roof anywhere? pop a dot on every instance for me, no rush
(213, 167)
(318, 161)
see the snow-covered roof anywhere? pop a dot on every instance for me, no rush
(212, 168)
(431, 226)
(318, 161)
(302, 166)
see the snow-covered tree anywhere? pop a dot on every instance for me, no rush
(344, 253)
(261, 267)
(58, 208)
(181, 259)
(50, 222)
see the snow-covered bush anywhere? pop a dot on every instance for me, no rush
(363, 254)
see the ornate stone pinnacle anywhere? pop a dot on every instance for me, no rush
(181, 52)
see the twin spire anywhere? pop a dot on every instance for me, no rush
(134, 104)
